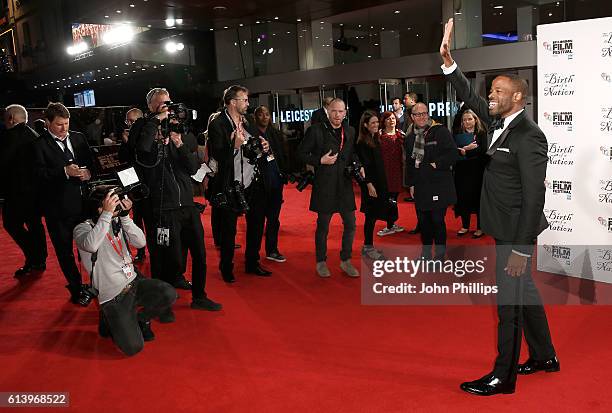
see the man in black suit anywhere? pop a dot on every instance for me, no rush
(20, 213)
(62, 164)
(511, 207)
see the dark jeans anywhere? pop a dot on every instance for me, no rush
(393, 195)
(323, 219)
(465, 220)
(520, 310)
(433, 230)
(368, 229)
(273, 210)
(186, 232)
(61, 234)
(24, 224)
(121, 317)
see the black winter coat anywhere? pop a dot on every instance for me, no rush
(332, 190)
(373, 164)
(434, 188)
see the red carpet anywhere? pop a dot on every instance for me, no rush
(293, 342)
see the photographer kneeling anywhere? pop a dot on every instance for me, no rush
(102, 241)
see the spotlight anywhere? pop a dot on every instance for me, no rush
(119, 35)
(170, 22)
(78, 48)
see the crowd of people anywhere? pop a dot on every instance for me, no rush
(245, 158)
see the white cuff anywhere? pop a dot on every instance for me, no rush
(521, 253)
(449, 70)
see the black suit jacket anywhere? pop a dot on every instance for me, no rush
(318, 116)
(513, 189)
(61, 197)
(17, 164)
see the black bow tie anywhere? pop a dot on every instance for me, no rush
(498, 123)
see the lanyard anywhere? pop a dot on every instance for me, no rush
(118, 250)
(341, 139)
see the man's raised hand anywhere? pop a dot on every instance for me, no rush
(445, 48)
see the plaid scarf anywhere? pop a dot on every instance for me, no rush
(418, 152)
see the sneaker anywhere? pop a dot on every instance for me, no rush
(385, 231)
(397, 228)
(368, 251)
(182, 283)
(322, 269)
(145, 328)
(205, 304)
(348, 268)
(276, 256)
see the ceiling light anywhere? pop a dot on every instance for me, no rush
(498, 7)
(299, 20)
(179, 21)
(170, 22)
(219, 8)
(458, 13)
(396, 12)
(276, 18)
(549, 14)
(131, 5)
(257, 22)
(241, 25)
(211, 29)
(118, 11)
(271, 50)
(322, 22)
(106, 17)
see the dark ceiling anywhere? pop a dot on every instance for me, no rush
(208, 14)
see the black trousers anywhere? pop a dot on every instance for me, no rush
(348, 235)
(390, 222)
(368, 228)
(272, 211)
(215, 225)
(138, 217)
(433, 230)
(168, 263)
(255, 220)
(465, 220)
(520, 310)
(61, 234)
(120, 315)
(23, 223)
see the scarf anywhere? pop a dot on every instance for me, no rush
(418, 152)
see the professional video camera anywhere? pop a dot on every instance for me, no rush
(232, 199)
(253, 150)
(179, 118)
(126, 184)
(303, 179)
(353, 170)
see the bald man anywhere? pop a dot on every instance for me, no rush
(20, 214)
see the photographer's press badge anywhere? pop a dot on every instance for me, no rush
(163, 237)
(126, 270)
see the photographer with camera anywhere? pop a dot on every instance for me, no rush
(329, 146)
(166, 164)
(103, 241)
(238, 188)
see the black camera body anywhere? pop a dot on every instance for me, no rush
(353, 170)
(253, 150)
(233, 199)
(303, 179)
(179, 118)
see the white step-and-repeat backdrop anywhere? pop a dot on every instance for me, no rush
(575, 113)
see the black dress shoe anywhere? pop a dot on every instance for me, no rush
(258, 270)
(489, 385)
(229, 278)
(533, 366)
(415, 231)
(30, 268)
(205, 304)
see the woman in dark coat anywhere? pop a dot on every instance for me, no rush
(374, 194)
(469, 170)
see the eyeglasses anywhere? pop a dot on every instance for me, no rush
(420, 114)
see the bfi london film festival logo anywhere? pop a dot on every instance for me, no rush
(559, 84)
(563, 120)
(606, 120)
(563, 254)
(603, 259)
(606, 46)
(605, 194)
(563, 188)
(559, 154)
(558, 48)
(606, 151)
(606, 222)
(559, 221)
